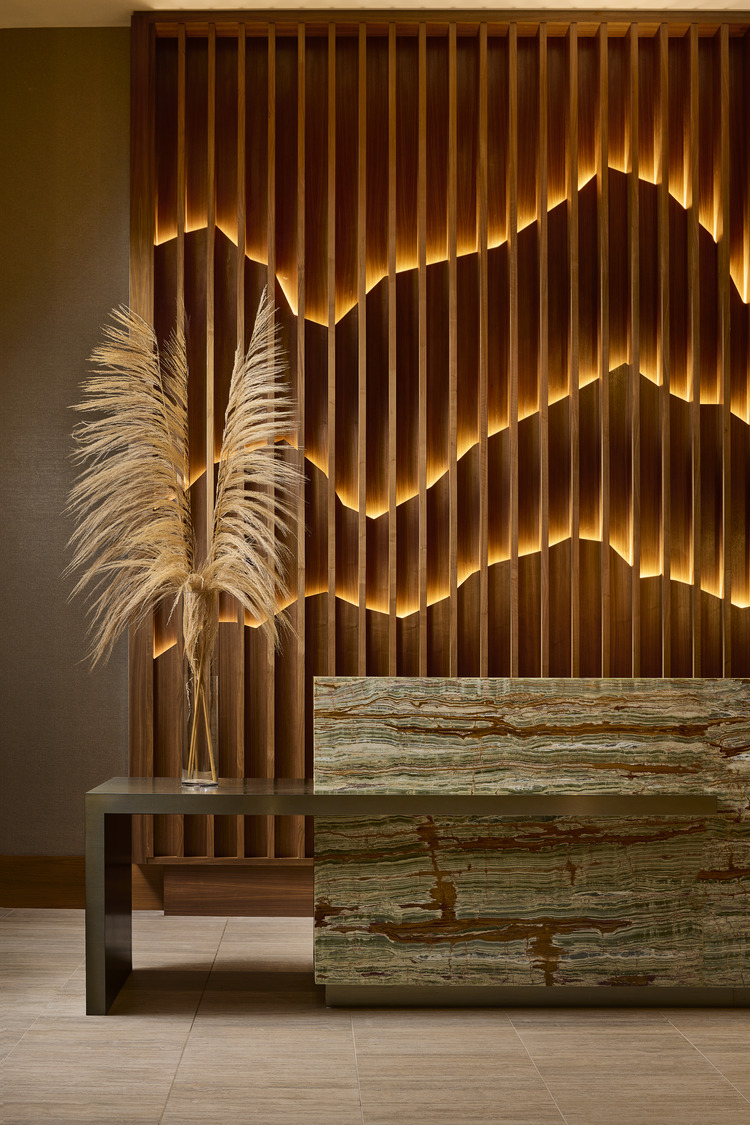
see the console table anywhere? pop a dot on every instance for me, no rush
(110, 806)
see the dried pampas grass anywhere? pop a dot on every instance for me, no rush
(134, 542)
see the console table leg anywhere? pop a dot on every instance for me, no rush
(109, 902)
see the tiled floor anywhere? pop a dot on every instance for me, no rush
(222, 1023)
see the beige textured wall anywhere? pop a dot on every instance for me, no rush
(64, 137)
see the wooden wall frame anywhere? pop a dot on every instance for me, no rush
(519, 251)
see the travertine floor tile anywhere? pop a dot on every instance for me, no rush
(697, 1095)
(152, 995)
(138, 1111)
(730, 1110)
(166, 925)
(214, 1105)
(646, 1054)
(12, 1030)
(94, 1069)
(446, 1113)
(735, 1069)
(46, 925)
(479, 1075)
(499, 1088)
(267, 957)
(452, 1031)
(713, 1028)
(273, 1040)
(36, 991)
(95, 1106)
(268, 1009)
(285, 928)
(47, 948)
(263, 999)
(595, 1018)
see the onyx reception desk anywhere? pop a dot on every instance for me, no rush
(571, 903)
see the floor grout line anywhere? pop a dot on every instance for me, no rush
(192, 1022)
(541, 1076)
(708, 1060)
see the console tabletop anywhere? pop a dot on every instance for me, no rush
(276, 797)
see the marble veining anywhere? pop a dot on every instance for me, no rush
(549, 901)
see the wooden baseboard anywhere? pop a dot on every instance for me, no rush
(253, 891)
(58, 882)
(51, 881)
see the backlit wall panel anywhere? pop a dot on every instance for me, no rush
(510, 263)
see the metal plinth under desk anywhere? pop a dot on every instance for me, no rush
(110, 806)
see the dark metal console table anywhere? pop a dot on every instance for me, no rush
(110, 806)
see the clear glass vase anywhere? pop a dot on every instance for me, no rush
(200, 737)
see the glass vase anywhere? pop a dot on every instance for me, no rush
(200, 736)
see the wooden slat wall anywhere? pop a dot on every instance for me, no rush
(508, 291)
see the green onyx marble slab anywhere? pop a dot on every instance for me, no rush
(550, 901)
(557, 902)
(531, 735)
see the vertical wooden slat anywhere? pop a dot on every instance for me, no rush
(482, 219)
(181, 170)
(299, 770)
(694, 346)
(512, 229)
(210, 322)
(453, 348)
(142, 232)
(543, 249)
(635, 357)
(724, 345)
(210, 279)
(240, 316)
(662, 175)
(142, 170)
(176, 831)
(231, 633)
(331, 321)
(392, 447)
(573, 375)
(602, 182)
(362, 349)
(422, 297)
(241, 208)
(271, 286)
